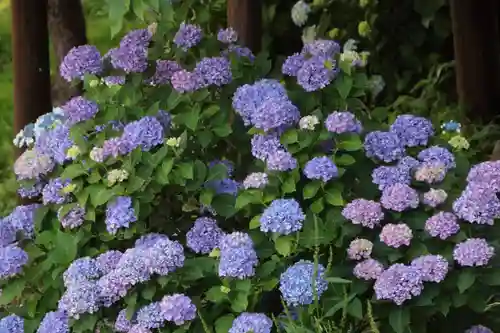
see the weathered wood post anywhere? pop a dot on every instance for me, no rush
(30, 53)
(245, 16)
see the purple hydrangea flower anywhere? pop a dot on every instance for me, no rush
(430, 172)
(115, 285)
(73, 218)
(265, 145)
(251, 322)
(442, 225)
(146, 133)
(399, 283)
(54, 322)
(385, 176)
(438, 154)
(187, 36)
(12, 324)
(164, 71)
(479, 329)
(227, 36)
(150, 316)
(130, 58)
(283, 216)
(115, 80)
(385, 146)
(315, 74)
(399, 197)
(343, 122)
(408, 163)
(7, 233)
(239, 52)
(257, 180)
(434, 197)
(238, 258)
(214, 71)
(33, 191)
(293, 64)
(140, 37)
(275, 113)
(33, 165)
(82, 269)
(178, 309)
(22, 219)
(473, 252)
(119, 214)
(368, 213)
(53, 191)
(108, 261)
(204, 236)
(112, 147)
(486, 173)
(183, 81)
(281, 160)
(412, 130)
(81, 60)
(296, 283)
(122, 324)
(360, 248)
(54, 143)
(321, 48)
(165, 119)
(139, 329)
(368, 269)
(396, 235)
(478, 203)
(149, 240)
(79, 109)
(321, 168)
(224, 186)
(166, 256)
(80, 298)
(12, 261)
(432, 267)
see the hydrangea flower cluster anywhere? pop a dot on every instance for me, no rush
(442, 225)
(257, 180)
(399, 283)
(54, 322)
(343, 122)
(12, 324)
(251, 322)
(119, 214)
(479, 329)
(359, 248)
(369, 269)
(399, 197)
(300, 12)
(296, 283)
(412, 130)
(385, 146)
(367, 213)
(321, 168)
(238, 258)
(473, 252)
(283, 216)
(204, 236)
(80, 61)
(432, 267)
(132, 54)
(396, 235)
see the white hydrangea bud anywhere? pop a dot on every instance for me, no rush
(117, 176)
(173, 142)
(308, 123)
(97, 154)
(459, 142)
(300, 13)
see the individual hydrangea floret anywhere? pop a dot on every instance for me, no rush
(227, 36)
(122, 324)
(265, 145)
(479, 329)
(80, 298)
(478, 203)
(473, 252)
(399, 197)
(432, 267)
(396, 235)
(360, 248)
(204, 236)
(369, 269)
(54, 322)
(300, 12)
(119, 214)
(308, 123)
(412, 130)
(436, 154)
(293, 64)
(368, 213)
(53, 192)
(73, 218)
(399, 283)
(283, 216)
(434, 197)
(187, 36)
(251, 322)
(281, 160)
(12, 324)
(108, 261)
(256, 180)
(321, 168)
(296, 283)
(442, 225)
(238, 258)
(178, 309)
(343, 122)
(385, 146)
(183, 81)
(214, 71)
(79, 109)
(430, 172)
(385, 176)
(150, 316)
(81, 60)
(33, 165)
(275, 113)
(316, 73)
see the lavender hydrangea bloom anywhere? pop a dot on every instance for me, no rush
(54, 322)
(79, 109)
(115, 80)
(32, 191)
(369, 269)
(112, 147)
(478, 203)
(479, 329)
(434, 197)
(227, 36)
(385, 146)
(275, 113)
(399, 197)
(113, 286)
(22, 219)
(486, 173)
(321, 48)
(293, 64)
(54, 143)
(204, 236)
(438, 154)
(149, 240)
(80, 298)
(265, 145)
(12, 261)
(368, 213)
(183, 81)
(119, 214)
(473, 252)
(283, 216)
(139, 329)
(385, 176)
(396, 235)
(343, 122)
(214, 71)
(146, 133)
(281, 160)
(408, 163)
(82, 269)
(178, 309)
(53, 191)
(296, 283)
(251, 322)
(150, 316)
(442, 225)
(122, 324)
(12, 324)
(399, 283)
(256, 180)
(108, 261)
(315, 75)
(300, 12)
(238, 258)
(187, 36)
(81, 60)
(412, 130)
(130, 58)
(321, 168)
(73, 218)
(166, 256)
(33, 165)
(164, 71)
(360, 248)
(432, 267)
(239, 52)
(7, 233)
(430, 172)
(141, 37)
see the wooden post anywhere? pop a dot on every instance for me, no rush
(245, 16)
(30, 53)
(476, 39)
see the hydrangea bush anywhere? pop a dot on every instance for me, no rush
(186, 192)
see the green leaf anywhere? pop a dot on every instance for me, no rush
(288, 185)
(243, 285)
(224, 205)
(355, 308)
(12, 291)
(72, 171)
(116, 12)
(240, 302)
(206, 197)
(465, 280)
(100, 195)
(161, 175)
(186, 170)
(154, 4)
(317, 206)
(134, 184)
(189, 118)
(247, 197)
(345, 159)
(218, 171)
(139, 7)
(289, 137)
(352, 143)
(254, 223)
(215, 295)
(149, 292)
(311, 189)
(337, 280)
(334, 197)
(224, 324)
(344, 86)
(65, 248)
(131, 302)
(284, 245)
(399, 319)
(223, 130)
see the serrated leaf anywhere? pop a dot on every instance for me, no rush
(224, 324)
(352, 143)
(215, 295)
(11, 291)
(334, 197)
(311, 189)
(289, 137)
(284, 245)
(163, 172)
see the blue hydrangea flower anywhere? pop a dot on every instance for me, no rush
(149, 240)
(228, 164)
(53, 191)
(412, 130)
(238, 258)
(399, 283)
(131, 58)
(321, 48)
(140, 37)
(275, 113)
(115, 80)
(165, 256)
(146, 133)
(12, 261)
(54, 322)
(7, 232)
(164, 71)
(293, 64)
(54, 143)
(224, 186)
(296, 283)
(32, 191)
(204, 236)
(108, 261)
(442, 225)
(343, 122)
(33, 165)
(239, 52)
(183, 81)
(281, 160)
(22, 219)
(479, 329)
(451, 126)
(433, 267)
(122, 324)
(478, 203)
(283, 216)
(82, 269)
(73, 218)
(214, 71)
(178, 309)
(79, 109)
(119, 214)
(227, 36)
(438, 154)
(80, 298)
(321, 168)
(12, 324)
(265, 145)
(251, 322)
(385, 146)
(385, 176)
(315, 74)
(399, 197)
(150, 316)
(187, 36)
(81, 60)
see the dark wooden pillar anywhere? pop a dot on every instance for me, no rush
(30, 54)
(245, 16)
(476, 37)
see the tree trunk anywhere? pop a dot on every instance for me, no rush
(67, 30)
(245, 16)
